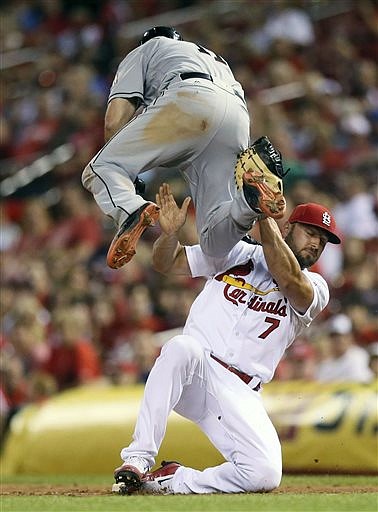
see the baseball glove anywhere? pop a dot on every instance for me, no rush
(259, 173)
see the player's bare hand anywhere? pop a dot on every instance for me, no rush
(171, 217)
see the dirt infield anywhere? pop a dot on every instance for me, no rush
(95, 490)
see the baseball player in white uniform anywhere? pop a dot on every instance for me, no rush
(191, 115)
(257, 299)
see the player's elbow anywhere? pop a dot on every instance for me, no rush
(118, 113)
(300, 295)
(111, 126)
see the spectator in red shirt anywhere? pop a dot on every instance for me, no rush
(73, 358)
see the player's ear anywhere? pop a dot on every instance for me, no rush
(285, 228)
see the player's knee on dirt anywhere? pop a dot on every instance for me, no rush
(269, 477)
(263, 478)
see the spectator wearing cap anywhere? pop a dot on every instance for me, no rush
(348, 361)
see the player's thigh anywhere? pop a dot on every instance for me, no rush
(131, 149)
(166, 133)
(214, 166)
(193, 403)
(244, 421)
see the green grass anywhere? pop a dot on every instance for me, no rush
(297, 493)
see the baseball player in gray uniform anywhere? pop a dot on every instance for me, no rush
(257, 299)
(174, 103)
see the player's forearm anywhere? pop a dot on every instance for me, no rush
(284, 267)
(165, 253)
(118, 113)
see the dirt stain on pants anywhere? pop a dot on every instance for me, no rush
(171, 123)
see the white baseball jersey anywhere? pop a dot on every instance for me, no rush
(195, 125)
(241, 316)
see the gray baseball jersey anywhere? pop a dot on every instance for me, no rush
(195, 124)
(161, 60)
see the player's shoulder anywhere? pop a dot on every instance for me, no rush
(150, 47)
(161, 41)
(247, 248)
(162, 47)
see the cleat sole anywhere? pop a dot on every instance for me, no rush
(123, 246)
(130, 482)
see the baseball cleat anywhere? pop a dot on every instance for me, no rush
(123, 246)
(259, 173)
(129, 476)
(159, 481)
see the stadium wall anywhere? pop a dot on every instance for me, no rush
(323, 429)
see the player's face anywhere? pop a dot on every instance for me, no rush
(307, 243)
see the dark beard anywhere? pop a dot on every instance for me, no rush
(304, 261)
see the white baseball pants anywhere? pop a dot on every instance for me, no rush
(185, 379)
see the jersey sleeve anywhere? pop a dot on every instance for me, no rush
(128, 81)
(202, 265)
(320, 300)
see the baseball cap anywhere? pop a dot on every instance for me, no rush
(340, 324)
(316, 215)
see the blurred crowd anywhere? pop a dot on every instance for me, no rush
(309, 71)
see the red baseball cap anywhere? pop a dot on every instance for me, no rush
(316, 215)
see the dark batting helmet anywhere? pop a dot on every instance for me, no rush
(161, 31)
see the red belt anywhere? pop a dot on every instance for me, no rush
(243, 376)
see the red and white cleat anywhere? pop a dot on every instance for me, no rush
(159, 481)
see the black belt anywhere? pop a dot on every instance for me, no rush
(195, 74)
(243, 376)
(205, 76)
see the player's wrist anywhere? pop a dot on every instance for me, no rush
(169, 235)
